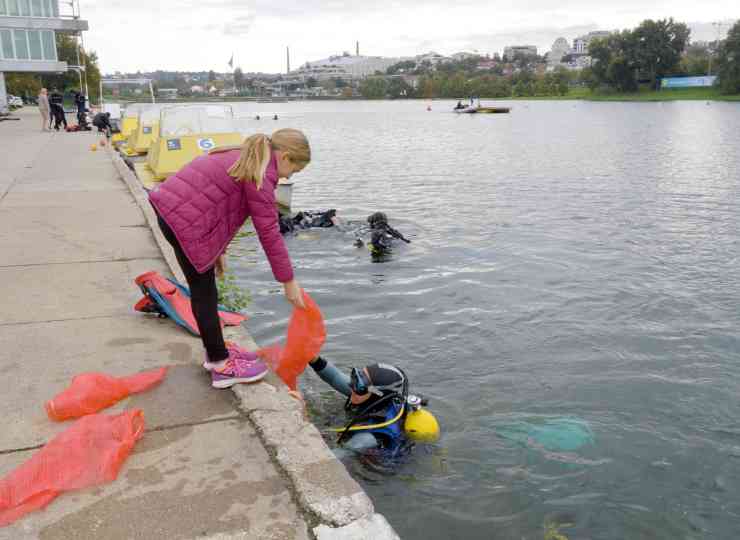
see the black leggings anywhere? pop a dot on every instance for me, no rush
(204, 298)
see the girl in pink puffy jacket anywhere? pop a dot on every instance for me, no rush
(202, 207)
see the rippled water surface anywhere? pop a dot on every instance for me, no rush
(571, 259)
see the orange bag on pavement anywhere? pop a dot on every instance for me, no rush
(89, 453)
(306, 336)
(93, 392)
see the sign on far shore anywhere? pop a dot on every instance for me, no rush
(687, 82)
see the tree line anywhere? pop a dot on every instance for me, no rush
(621, 62)
(644, 55)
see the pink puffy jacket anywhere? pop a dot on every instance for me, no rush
(205, 207)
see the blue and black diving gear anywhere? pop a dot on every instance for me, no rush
(380, 420)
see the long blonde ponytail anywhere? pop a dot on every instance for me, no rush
(256, 151)
(253, 159)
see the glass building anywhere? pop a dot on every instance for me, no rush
(28, 36)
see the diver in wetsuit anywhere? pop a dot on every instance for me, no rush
(382, 234)
(377, 397)
(307, 219)
(378, 234)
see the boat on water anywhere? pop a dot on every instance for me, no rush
(129, 122)
(483, 110)
(145, 133)
(188, 131)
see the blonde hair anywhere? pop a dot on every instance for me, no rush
(256, 151)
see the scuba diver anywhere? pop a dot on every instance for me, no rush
(307, 220)
(384, 415)
(382, 235)
(379, 234)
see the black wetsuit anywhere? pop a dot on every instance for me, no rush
(102, 122)
(307, 220)
(56, 103)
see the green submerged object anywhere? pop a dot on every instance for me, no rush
(554, 434)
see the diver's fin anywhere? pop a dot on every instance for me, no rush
(170, 299)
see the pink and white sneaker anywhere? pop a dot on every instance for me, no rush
(241, 367)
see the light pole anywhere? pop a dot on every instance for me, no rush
(718, 26)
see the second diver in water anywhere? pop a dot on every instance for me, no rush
(383, 415)
(376, 232)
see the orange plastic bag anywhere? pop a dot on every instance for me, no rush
(87, 454)
(93, 392)
(306, 336)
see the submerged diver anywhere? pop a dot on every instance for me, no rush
(384, 415)
(307, 219)
(379, 235)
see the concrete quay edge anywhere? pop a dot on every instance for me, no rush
(335, 505)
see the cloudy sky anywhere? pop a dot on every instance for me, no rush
(131, 35)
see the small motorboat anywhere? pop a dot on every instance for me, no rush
(483, 110)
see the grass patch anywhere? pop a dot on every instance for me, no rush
(231, 295)
(668, 94)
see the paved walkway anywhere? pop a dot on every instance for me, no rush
(72, 239)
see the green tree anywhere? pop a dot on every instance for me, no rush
(696, 60)
(401, 67)
(658, 47)
(729, 62)
(67, 51)
(23, 84)
(614, 62)
(374, 88)
(398, 88)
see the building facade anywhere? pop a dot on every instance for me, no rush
(344, 67)
(28, 37)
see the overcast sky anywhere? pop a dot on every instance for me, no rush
(185, 35)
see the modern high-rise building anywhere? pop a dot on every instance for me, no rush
(28, 31)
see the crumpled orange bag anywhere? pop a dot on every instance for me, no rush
(89, 453)
(306, 336)
(93, 392)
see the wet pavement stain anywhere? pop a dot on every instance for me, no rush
(171, 514)
(178, 351)
(124, 342)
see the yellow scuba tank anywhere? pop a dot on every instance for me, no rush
(420, 424)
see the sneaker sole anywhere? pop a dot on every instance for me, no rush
(228, 383)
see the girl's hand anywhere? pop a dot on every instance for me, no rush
(293, 293)
(220, 266)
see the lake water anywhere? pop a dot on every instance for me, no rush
(568, 260)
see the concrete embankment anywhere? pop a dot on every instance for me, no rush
(75, 230)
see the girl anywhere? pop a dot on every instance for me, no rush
(43, 99)
(200, 209)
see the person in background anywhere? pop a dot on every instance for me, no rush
(202, 207)
(44, 109)
(56, 102)
(102, 121)
(79, 98)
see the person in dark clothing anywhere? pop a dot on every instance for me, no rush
(80, 103)
(56, 102)
(382, 235)
(102, 122)
(307, 219)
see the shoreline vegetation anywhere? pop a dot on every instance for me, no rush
(574, 94)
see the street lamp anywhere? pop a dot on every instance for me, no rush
(718, 26)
